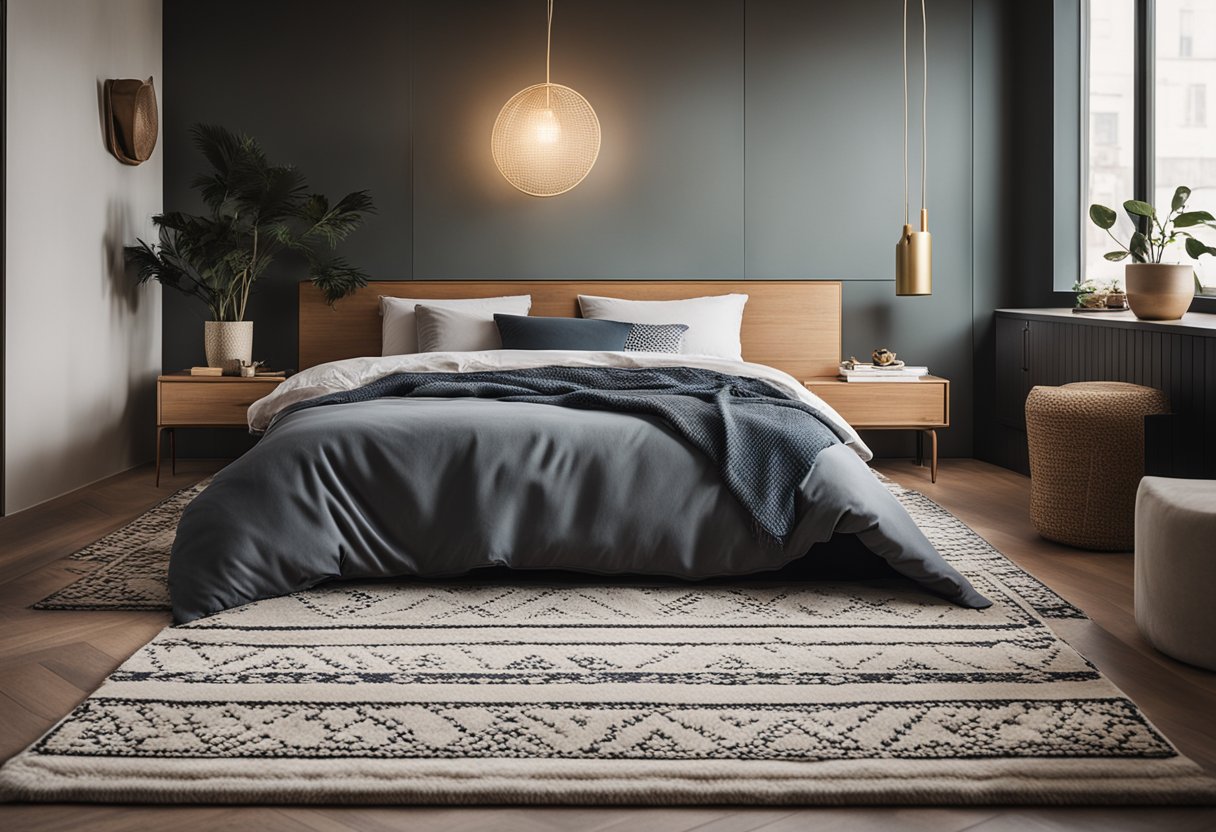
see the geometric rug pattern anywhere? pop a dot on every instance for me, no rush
(610, 692)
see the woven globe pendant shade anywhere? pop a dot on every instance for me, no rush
(546, 139)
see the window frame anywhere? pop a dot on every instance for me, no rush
(1076, 13)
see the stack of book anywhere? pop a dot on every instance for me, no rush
(872, 372)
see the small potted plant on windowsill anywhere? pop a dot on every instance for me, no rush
(257, 211)
(1157, 291)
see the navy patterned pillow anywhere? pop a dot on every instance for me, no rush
(655, 338)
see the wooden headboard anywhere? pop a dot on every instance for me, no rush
(793, 325)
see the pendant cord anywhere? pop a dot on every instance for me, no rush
(924, 106)
(548, 42)
(905, 112)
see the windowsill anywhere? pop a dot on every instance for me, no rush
(1200, 320)
(1202, 303)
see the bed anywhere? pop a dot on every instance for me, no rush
(438, 464)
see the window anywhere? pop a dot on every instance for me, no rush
(1148, 125)
(1105, 129)
(1111, 101)
(1186, 38)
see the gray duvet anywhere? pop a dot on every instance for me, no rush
(420, 487)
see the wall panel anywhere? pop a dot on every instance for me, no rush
(754, 139)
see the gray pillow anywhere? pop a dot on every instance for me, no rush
(447, 329)
(399, 327)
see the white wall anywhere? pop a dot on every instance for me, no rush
(82, 343)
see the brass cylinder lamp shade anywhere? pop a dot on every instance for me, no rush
(914, 251)
(547, 137)
(914, 259)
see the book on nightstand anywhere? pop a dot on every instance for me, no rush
(853, 372)
(206, 371)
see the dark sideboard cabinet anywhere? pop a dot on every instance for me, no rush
(1057, 346)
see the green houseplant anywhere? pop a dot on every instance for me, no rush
(1157, 291)
(258, 213)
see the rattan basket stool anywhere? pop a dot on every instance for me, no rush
(1086, 459)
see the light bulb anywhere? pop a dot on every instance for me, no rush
(548, 130)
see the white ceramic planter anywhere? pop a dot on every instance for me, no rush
(1159, 291)
(228, 343)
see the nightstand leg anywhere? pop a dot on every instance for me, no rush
(173, 451)
(932, 455)
(920, 448)
(159, 431)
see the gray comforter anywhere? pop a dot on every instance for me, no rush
(375, 487)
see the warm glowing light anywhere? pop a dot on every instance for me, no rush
(546, 139)
(548, 130)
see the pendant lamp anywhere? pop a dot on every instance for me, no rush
(547, 137)
(914, 251)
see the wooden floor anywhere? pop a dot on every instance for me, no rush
(50, 660)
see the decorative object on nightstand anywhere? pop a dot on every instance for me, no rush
(184, 400)
(257, 211)
(1157, 291)
(919, 403)
(884, 357)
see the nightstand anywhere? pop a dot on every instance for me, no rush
(186, 401)
(922, 405)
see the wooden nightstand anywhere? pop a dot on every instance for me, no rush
(923, 406)
(186, 401)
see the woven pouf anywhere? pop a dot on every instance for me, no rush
(1086, 459)
(1176, 567)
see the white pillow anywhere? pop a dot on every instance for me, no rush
(713, 322)
(398, 329)
(444, 329)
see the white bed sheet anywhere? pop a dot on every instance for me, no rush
(356, 372)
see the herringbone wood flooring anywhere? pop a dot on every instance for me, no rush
(50, 660)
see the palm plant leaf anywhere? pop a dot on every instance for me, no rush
(336, 279)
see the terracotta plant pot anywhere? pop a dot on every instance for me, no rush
(228, 343)
(1159, 292)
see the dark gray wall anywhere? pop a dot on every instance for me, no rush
(755, 139)
(1014, 145)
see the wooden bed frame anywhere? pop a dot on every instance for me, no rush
(793, 325)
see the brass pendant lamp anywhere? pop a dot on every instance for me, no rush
(914, 251)
(547, 137)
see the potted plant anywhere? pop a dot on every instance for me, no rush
(256, 213)
(1157, 291)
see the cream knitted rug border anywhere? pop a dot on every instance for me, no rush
(530, 692)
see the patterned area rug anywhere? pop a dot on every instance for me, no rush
(646, 693)
(128, 569)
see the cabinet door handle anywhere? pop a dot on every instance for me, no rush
(1026, 348)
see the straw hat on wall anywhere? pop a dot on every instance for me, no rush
(130, 119)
